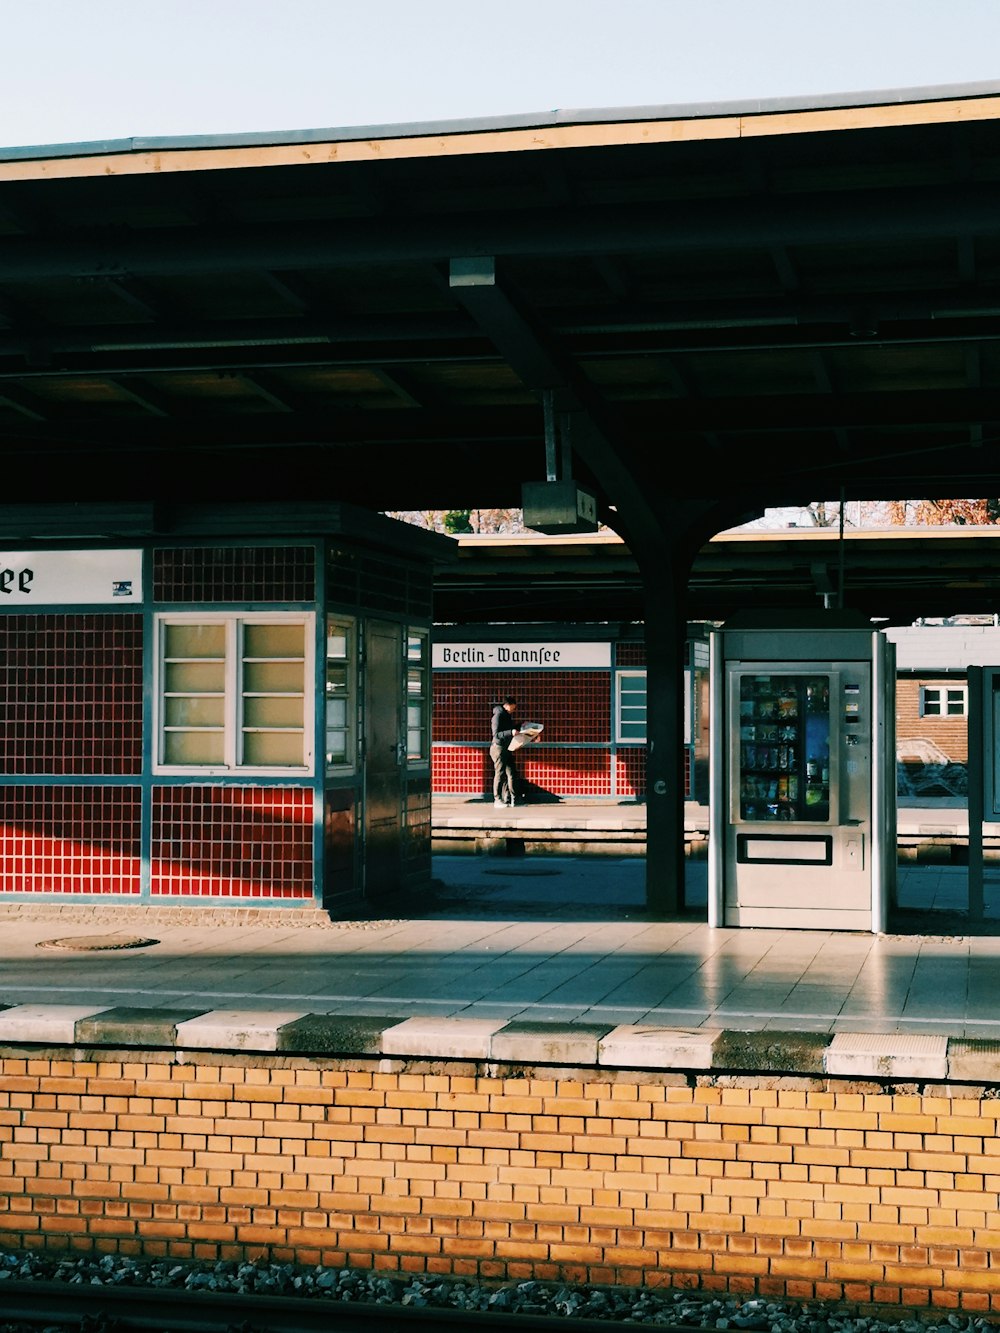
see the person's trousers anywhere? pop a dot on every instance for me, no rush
(504, 783)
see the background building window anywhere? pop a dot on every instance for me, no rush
(417, 695)
(943, 701)
(234, 692)
(341, 666)
(630, 707)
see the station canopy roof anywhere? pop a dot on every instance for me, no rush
(749, 305)
(895, 576)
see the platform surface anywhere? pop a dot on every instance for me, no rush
(578, 820)
(543, 939)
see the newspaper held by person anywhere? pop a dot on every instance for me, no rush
(526, 731)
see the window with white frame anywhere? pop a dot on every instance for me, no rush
(234, 693)
(341, 678)
(630, 707)
(417, 695)
(943, 701)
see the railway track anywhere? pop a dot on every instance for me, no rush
(58, 1307)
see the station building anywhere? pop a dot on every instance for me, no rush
(215, 707)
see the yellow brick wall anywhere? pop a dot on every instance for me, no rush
(815, 1192)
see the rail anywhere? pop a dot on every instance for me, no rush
(60, 1307)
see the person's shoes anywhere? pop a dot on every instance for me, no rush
(498, 805)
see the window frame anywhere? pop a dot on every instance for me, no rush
(234, 693)
(349, 625)
(633, 673)
(944, 694)
(424, 697)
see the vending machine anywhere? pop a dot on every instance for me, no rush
(802, 802)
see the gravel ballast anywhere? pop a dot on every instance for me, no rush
(636, 1305)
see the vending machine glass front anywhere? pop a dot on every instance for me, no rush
(783, 770)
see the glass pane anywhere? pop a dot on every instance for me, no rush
(273, 712)
(784, 747)
(273, 749)
(339, 687)
(633, 731)
(336, 680)
(189, 712)
(416, 646)
(337, 640)
(274, 640)
(415, 715)
(193, 747)
(194, 677)
(415, 682)
(194, 640)
(414, 745)
(273, 677)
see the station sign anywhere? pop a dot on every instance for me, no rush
(537, 656)
(69, 578)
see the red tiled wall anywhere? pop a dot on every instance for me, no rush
(340, 887)
(74, 840)
(460, 769)
(71, 694)
(630, 654)
(631, 771)
(574, 705)
(232, 842)
(417, 827)
(564, 772)
(464, 770)
(235, 574)
(631, 768)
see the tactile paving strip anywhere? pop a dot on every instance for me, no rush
(887, 1054)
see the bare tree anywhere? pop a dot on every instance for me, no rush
(941, 513)
(457, 521)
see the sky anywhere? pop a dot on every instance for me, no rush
(79, 71)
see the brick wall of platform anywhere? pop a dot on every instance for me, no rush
(822, 1190)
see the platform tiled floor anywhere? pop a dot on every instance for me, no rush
(546, 938)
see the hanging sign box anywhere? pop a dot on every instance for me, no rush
(69, 578)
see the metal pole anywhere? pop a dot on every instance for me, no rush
(718, 760)
(550, 436)
(840, 554)
(976, 722)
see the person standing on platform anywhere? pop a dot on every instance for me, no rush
(503, 729)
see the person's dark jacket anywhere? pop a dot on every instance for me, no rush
(502, 727)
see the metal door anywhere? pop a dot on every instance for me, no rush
(384, 758)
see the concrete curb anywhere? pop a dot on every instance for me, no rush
(875, 1056)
